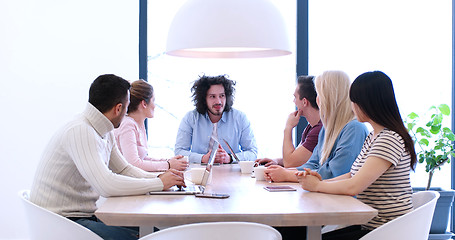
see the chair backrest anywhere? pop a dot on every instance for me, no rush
(413, 225)
(46, 225)
(217, 231)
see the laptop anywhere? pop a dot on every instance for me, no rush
(231, 150)
(192, 189)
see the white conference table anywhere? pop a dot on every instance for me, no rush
(248, 202)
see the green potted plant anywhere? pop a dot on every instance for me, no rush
(434, 148)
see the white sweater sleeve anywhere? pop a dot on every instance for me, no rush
(92, 153)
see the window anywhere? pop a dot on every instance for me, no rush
(411, 41)
(264, 89)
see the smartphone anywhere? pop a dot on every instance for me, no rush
(212, 195)
(279, 188)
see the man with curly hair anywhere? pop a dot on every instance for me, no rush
(215, 119)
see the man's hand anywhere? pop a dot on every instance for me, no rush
(266, 161)
(205, 158)
(178, 163)
(171, 178)
(222, 156)
(293, 119)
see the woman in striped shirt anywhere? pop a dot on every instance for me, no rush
(379, 176)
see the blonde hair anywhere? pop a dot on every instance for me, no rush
(335, 110)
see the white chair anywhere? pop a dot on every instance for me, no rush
(413, 225)
(46, 225)
(217, 231)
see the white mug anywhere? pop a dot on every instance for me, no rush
(259, 173)
(246, 166)
(195, 175)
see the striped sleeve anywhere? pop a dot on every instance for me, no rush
(389, 147)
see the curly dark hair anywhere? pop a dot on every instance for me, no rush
(203, 84)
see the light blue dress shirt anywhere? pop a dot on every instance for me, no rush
(345, 150)
(195, 131)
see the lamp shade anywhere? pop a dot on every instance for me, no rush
(227, 29)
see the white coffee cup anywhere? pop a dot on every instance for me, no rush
(246, 166)
(195, 175)
(259, 173)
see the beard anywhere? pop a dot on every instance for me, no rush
(216, 112)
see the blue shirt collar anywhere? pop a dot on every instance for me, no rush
(223, 117)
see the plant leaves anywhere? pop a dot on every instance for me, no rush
(435, 141)
(446, 130)
(410, 126)
(422, 131)
(424, 141)
(413, 115)
(435, 129)
(444, 108)
(450, 136)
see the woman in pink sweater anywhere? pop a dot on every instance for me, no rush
(131, 135)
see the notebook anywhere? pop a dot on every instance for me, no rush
(192, 189)
(232, 151)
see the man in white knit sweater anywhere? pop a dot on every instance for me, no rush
(82, 162)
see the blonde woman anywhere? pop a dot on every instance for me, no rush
(131, 135)
(341, 137)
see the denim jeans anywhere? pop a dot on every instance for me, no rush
(107, 232)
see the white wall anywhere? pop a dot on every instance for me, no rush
(50, 52)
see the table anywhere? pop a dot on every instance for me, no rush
(248, 202)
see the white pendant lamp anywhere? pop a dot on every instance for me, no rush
(227, 29)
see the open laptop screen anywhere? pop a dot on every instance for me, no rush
(208, 168)
(196, 188)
